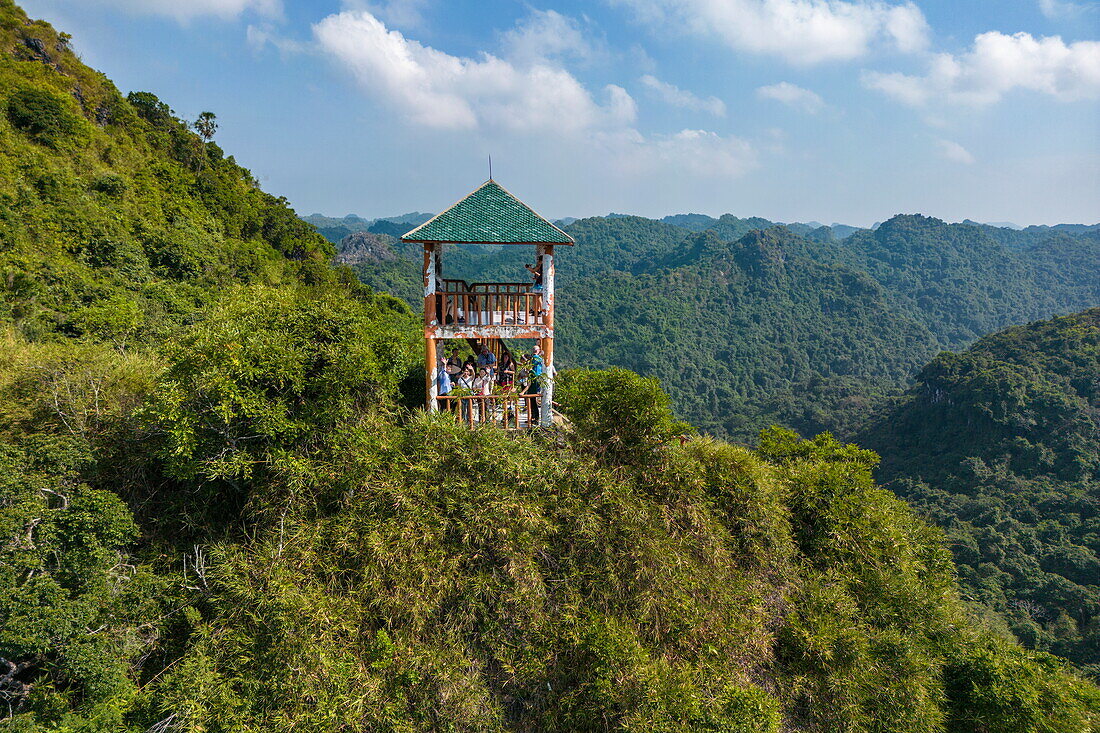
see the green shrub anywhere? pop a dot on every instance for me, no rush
(110, 184)
(41, 115)
(268, 379)
(71, 596)
(996, 687)
(617, 414)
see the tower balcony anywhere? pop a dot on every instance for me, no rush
(511, 310)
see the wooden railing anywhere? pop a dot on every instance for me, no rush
(512, 411)
(488, 304)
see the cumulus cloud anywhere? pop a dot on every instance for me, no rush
(793, 95)
(673, 95)
(996, 65)
(184, 10)
(799, 31)
(436, 89)
(521, 98)
(547, 34)
(952, 151)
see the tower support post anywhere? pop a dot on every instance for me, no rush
(431, 361)
(546, 254)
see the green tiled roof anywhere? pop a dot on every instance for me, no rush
(489, 215)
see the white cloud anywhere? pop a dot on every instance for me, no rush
(436, 89)
(799, 31)
(1061, 9)
(954, 152)
(997, 65)
(547, 34)
(673, 95)
(184, 10)
(513, 100)
(793, 95)
(696, 153)
(704, 153)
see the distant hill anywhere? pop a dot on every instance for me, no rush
(335, 229)
(691, 222)
(829, 327)
(963, 283)
(1000, 444)
(730, 227)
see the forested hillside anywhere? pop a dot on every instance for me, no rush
(1001, 446)
(216, 514)
(962, 283)
(748, 333)
(116, 221)
(747, 326)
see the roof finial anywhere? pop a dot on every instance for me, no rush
(490, 166)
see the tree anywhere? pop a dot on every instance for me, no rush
(206, 125)
(268, 378)
(617, 414)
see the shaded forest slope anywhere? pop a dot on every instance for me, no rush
(1000, 445)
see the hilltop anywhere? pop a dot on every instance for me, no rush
(117, 221)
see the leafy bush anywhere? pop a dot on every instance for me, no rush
(41, 115)
(110, 184)
(617, 414)
(267, 380)
(996, 688)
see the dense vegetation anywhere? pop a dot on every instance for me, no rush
(217, 516)
(116, 221)
(1001, 446)
(292, 553)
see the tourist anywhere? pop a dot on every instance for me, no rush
(506, 373)
(536, 274)
(466, 378)
(483, 383)
(443, 378)
(454, 365)
(466, 382)
(486, 359)
(534, 387)
(443, 383)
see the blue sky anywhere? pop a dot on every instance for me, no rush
(795, 110)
